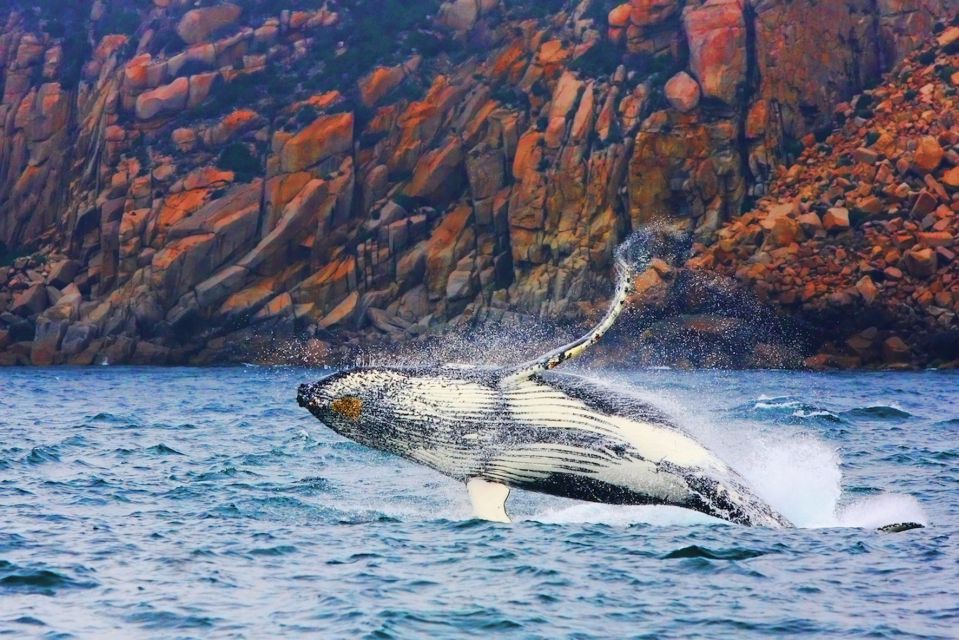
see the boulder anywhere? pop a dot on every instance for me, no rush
(30, 301)
(324, 137)
(382, 80)
(895, 351)
(198, 25)
(62, 273)
(343, 313)
(78, 336)
(230, 126)
(951, 178)
(170, 98)
(716, 34)
(683, 92)
(441, 251)
(810, 223)
(460, 285)
(925, 203)
(928, 154)
(867, 289)
(184, 139)
(949, 36)
(431, 178)
(459, 15)
(619, 16)
(200, 86)
(921, 262)
(935, 239)
(836, 219)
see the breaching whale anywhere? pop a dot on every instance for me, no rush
(531, 428)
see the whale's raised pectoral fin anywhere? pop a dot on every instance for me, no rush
(626, 269)
(489, 499)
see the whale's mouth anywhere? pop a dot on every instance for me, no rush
(304, 395)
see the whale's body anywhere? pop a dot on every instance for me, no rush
(550, 433)
(531, 428)
(535, 429)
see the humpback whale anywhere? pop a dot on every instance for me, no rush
(529, 427)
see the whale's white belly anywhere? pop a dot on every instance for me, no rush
(528, 432)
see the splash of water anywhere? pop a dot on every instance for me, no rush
(878, 511)
(797, 473)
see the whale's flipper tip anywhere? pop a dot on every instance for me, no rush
(488, 499)
(899, 527)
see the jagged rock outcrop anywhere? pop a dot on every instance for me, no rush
(184, 183)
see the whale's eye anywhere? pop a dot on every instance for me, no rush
(348, 406)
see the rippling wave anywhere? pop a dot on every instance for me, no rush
(214, 507)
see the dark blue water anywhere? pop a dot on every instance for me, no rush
(205, 503)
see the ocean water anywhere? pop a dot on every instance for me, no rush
(182, 503)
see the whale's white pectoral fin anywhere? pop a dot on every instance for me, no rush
(489, 499)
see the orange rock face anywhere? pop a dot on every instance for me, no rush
(716, 33)
(384, 79)
(324, 137)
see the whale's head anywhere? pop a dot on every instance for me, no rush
(351, 403)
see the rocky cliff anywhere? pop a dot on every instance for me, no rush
(209, 181)
(859, 237)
